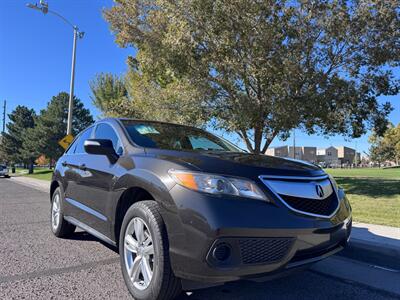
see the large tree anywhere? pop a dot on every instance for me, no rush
(21, 120)
(393, 137)
(261, 68)
(51, 126)
(386, 147)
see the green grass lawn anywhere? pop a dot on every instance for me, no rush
(374, 194)
(38, 173)
(366, 172)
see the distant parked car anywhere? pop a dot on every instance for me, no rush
(4, 171)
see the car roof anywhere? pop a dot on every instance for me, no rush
(144, 121)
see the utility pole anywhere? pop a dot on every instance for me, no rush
(294, 143)
(4, 116)
(355, 157)
(71, 90)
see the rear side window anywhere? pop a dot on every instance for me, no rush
(79, 148)
(71, 148)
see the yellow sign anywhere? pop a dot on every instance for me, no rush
(66, 141)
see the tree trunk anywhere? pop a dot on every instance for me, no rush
(30, 168)
(266, 145)
(257, 140)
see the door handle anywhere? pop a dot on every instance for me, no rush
(64, 164)
(82, 167)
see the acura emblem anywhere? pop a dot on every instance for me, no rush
(320, 191)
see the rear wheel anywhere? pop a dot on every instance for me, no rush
(59, 226)
(144, 251)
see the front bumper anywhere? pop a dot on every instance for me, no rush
(261, 238)
(4, 173)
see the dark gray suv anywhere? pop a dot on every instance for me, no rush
(188, 209)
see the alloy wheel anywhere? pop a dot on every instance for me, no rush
(139, 253)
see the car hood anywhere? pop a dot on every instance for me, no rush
(238, 163)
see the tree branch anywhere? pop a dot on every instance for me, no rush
(244, 136)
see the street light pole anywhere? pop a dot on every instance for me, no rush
(44, 8)
(71, 86)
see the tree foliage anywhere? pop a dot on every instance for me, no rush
(21, 120)
(386, 147)
(173, 99)
(110, 95)
(51, 126)
(261, 68)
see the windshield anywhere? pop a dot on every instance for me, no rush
(175, 137)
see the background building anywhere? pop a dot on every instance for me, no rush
(278, 151)
(328, 156)
(346, 155)
(302, 153)
(298, 153)
(309, 154)
(331, 156)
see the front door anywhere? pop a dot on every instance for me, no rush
(97, 176)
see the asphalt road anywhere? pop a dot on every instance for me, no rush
(36, 265)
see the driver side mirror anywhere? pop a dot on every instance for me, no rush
(101, 147)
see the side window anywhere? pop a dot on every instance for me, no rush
(105, 131)
(81, 139)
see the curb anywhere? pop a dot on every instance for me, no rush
(379, 248)
(374, 253)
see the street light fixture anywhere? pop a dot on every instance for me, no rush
(44, 8)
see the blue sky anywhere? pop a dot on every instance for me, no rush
(35, 59)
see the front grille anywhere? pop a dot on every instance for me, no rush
(323, 207)
(264, 250)
(302, 194)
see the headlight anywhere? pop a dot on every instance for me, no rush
(215, 184)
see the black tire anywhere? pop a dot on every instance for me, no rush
(63, 229)
(163, 285)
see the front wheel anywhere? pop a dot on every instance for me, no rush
(144, 251)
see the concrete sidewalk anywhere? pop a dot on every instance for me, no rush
(37, 184)
(377, 239)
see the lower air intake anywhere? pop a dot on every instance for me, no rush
(264, 250)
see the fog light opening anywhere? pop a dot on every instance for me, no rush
(222, 252)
